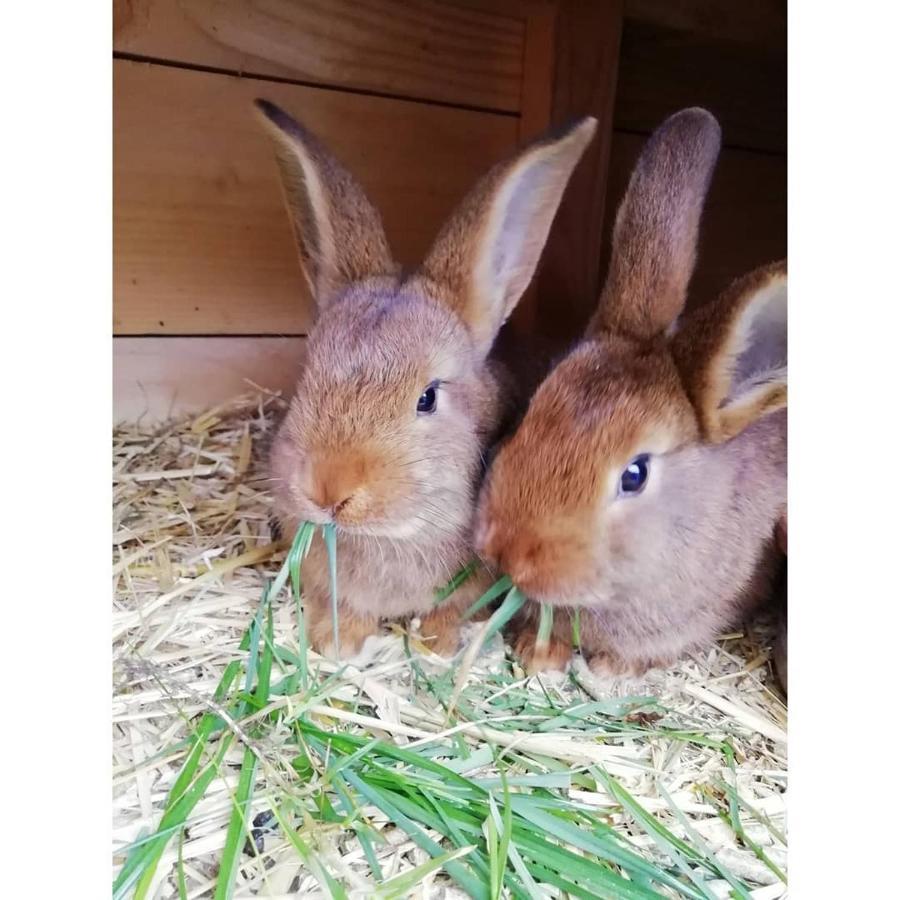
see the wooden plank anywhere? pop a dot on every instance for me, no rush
(538, 70)
(202, 241)
(744, 222)
(664, 69)
(457, 53)
(585, 65)
(155, 379)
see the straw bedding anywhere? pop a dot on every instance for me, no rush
(192, 552)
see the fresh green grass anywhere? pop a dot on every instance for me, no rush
(513, 833)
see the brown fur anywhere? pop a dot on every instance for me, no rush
(352, 449)
(661, 571)
(655, 234)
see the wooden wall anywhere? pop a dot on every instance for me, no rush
(732, 59)
(417, 97)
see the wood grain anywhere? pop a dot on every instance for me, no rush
(155, 379)
(585, 64)
(201, 239)
(744, 222)
(470, 54)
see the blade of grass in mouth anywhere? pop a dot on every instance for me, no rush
(328, 534)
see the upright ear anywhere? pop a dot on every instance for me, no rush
(654, 241)
(732, 354)
(338, 232)
(486, 254)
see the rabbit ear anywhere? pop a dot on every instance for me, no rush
(732, 354)
(655, 235)
(487, 252)
(338, 232)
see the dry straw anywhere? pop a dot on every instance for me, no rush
(245, 765)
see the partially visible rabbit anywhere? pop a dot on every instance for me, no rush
(398, 399)
(645, 482)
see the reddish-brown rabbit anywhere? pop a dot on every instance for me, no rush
(649, 473)
(398, 399)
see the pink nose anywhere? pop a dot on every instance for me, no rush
(330, 483)
(324, 500)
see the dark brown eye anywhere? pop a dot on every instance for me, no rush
(428, 400)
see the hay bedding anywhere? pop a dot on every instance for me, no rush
(191, 554)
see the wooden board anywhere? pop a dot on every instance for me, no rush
(157, 378)
(664, 69)
(744, 222)
(202, 243)
(469, 54)
(585, 60)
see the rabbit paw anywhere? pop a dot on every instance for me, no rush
(553, 655)
(440, 630)
(352, 633)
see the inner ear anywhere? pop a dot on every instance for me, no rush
(732, 354)
(764, 341)
(338, 232)
(487, 252)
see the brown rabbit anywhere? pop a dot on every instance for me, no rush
(646, 480)
(398, 399)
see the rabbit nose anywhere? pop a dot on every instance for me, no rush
(330, 497)
(331, 487)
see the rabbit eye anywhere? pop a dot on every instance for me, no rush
(428, 399)
(635, 475)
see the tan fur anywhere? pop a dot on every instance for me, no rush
(352, 449)
(471, 249)
(666, 569)
(655, 234)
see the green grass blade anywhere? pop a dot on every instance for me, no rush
(493, 847)
(381, 799)
(491, 594)
(362, 830)
(545, 625)
(460, 578)
(511, 604)
(265, 666)
(740, 891)
(576, 628)
(401, 885)
(568, 832)
(182, 881)
(502, 828)
(673, 847)
(585, 871)
(299, 549)
(148, 853)
(238, 828)
(172, 820)
(327, 882)
(328, 533)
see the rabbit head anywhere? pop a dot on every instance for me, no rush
(648, 472)
(397, 399)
